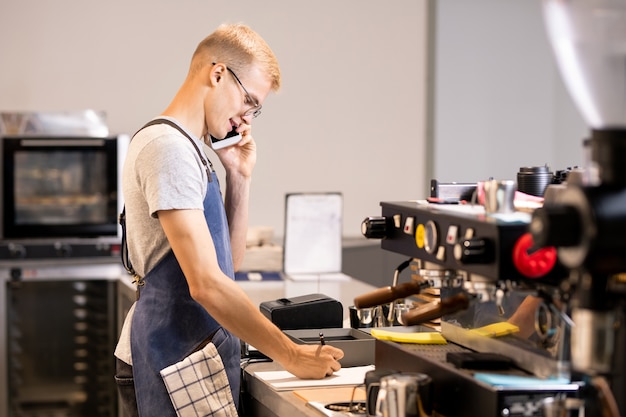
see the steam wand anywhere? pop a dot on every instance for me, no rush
(396, 274)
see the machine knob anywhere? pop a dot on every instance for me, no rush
(375, 227)
(530, 261)
(62, 250)
(556, 226)
(17, 251)
(473, 251)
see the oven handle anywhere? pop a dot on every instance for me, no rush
(34, 143)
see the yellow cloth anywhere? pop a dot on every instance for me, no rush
(496, 329)
(424, 338)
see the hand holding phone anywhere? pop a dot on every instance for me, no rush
(231, 138)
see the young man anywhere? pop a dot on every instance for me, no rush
(185, 241)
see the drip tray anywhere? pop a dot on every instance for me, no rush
(340, 409)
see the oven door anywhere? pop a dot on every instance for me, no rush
(58, 331)
(59, 187)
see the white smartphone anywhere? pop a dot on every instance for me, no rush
(231, 138)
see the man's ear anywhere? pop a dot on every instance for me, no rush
(215, 73)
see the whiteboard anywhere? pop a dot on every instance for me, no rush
(313, 228)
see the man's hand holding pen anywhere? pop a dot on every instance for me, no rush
(313, 361)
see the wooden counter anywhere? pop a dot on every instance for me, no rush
(261, 400)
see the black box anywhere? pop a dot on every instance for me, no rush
(357, 346)
(312, 311)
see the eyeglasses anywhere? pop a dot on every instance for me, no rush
(255, 110)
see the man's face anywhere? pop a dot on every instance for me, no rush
(236, 99)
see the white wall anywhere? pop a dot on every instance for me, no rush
(350, 117)
(353, 115)
(499, 102)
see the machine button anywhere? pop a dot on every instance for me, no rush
(409, 224)
(397, 220)
(473, 251)
(469, 233)
(453, 234)
(441, 253)
(115, 250)
(375, 227)
(420, 236)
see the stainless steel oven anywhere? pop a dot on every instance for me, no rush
(60, 186)
(60, 300)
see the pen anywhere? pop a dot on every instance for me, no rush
(322, 343)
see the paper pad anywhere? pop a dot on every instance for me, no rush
(284, 381)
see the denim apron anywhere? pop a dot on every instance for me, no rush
(168, 325)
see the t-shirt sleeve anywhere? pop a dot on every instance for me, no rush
(171, 174)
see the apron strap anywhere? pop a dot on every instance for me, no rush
(208, 166)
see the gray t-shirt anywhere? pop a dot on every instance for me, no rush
(162, 171)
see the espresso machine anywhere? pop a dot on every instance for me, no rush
(531, 296)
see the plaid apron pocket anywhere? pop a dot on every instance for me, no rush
(198, 385)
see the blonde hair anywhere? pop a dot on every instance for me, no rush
(239, 47)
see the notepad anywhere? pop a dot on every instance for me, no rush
(285, 381)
